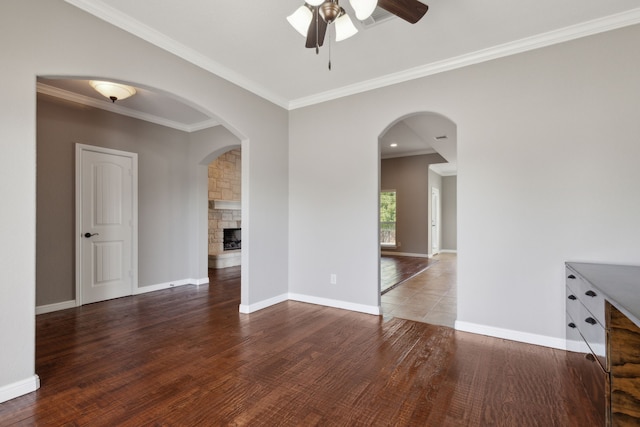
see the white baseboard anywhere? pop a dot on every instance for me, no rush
(448, 251)
(246, 309)
(511, 335)
(161, 286)
(42, 309)
(406, 254)
(11, 391)
(203, 281)
(368, 309)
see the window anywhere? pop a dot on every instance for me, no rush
(388, 218)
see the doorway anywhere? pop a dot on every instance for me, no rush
(224, 210)
(418, 158)
(435, 220)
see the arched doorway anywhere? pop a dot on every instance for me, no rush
(172, 154)
(418, 160)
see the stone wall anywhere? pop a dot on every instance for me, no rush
(224, 184)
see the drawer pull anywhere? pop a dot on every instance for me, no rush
(571, 276)
(591, 320)
(572, 325)
(572, 297)
(590, 294)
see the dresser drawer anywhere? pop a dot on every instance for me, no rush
(594, 334)
(575, 341)
(574, 306)
(591, 330)
(590, 297)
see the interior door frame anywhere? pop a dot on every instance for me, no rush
(435, 221)
(80, 148)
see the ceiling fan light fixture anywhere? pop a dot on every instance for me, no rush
(330, 11)
(301, 19)
(344, 28)
(363, 8)
(113, 91)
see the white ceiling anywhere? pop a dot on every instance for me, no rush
(252, 45)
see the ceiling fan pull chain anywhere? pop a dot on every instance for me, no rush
(330, 52)
(317, 31)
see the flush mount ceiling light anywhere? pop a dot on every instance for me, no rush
(113, 91)
(314, 16)
(393, 144)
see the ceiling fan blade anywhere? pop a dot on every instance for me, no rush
(409, 10)
(317, 30)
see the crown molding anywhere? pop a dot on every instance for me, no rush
(114, 108)
(114, 17)
(102, 11)
(573, 32)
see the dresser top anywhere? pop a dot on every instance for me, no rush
(620, 285)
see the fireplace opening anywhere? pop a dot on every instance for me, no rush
(232, 239)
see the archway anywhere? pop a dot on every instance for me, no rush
(418, 159)
(173, 181)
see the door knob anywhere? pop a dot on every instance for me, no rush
(87, 235)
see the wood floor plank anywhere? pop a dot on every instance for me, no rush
(395, 269)
(186, 356)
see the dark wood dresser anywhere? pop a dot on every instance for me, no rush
(603, 337)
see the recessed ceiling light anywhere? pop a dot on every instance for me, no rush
(393, 145)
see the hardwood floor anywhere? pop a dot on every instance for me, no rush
(394, 270)
(186, 356)
(430, 296)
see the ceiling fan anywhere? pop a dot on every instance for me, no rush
(314, 16)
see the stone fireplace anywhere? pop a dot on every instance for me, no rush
(224, 210)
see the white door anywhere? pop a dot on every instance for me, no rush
(435, 220)
(106, 223)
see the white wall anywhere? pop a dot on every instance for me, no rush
(548, 158)
(52, 38)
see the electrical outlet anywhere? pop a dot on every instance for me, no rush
(333, 279)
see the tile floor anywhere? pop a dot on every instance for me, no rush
(429, 297)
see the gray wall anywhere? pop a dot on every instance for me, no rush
(412, 180)
(449, 204)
